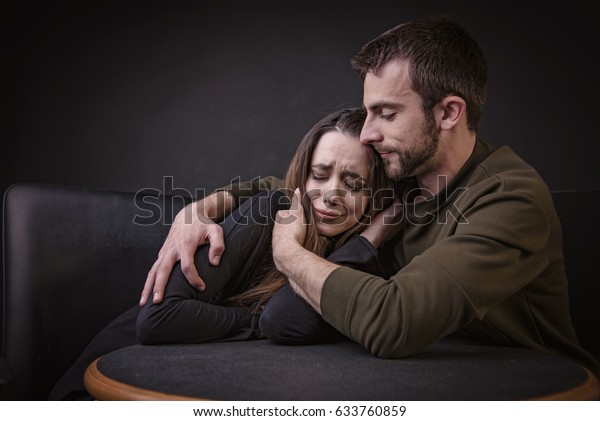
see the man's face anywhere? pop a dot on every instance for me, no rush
(405, 137)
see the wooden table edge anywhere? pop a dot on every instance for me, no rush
(589, 390)
(104, 388)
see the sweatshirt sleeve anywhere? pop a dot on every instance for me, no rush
(242, 190)
(500, 249)
(357, 253)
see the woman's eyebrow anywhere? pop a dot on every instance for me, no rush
(353, 174)
(322, 166)
(345, 173)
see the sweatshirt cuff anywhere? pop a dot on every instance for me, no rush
(358, 253)
(337, 296)
(242, 190)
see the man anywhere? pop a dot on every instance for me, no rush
(481, 249)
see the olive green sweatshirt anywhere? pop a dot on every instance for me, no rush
(483, 258)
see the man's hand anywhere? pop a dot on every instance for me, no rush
(193, 226)
(289, 229)
(385, 225)
(305, 271)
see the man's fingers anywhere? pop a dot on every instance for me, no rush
(297, 206)
(296, 200)
(188, 267)
(162, 270)
(149, 285)
(294, 213)
(217, 245)
(160, 283)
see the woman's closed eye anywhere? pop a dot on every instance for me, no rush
(352, 183)
(355, 184)
(319, 177)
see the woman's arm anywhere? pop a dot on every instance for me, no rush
(195, 225)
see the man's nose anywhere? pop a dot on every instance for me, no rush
(370, 133)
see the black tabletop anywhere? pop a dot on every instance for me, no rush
(452, 369)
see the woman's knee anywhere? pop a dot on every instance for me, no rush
(151, 325)
(273, 327)
(282, 326)
(143, 327)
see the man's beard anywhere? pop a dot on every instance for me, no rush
(416, 155)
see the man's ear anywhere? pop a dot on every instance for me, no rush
(452, 109)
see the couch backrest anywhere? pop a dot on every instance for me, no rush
(74, 259)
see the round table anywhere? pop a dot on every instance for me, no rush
(452, 369)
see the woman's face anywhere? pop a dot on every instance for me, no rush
(337, 183)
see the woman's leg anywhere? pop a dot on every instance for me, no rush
(288, 319)
(187, 315)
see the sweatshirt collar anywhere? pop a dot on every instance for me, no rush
(428, 207)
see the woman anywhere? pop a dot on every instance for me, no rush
(342, 186)
(337, 177)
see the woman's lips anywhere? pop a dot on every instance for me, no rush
(326, 215)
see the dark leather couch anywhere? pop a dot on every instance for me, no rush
(76, 258)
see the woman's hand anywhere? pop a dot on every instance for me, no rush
(385, 225)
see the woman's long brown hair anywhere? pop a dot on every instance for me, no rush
(348, 121)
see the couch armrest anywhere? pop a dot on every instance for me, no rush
(74, 259)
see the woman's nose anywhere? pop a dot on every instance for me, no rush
(334, 193)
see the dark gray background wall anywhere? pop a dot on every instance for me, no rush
(120, 95)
